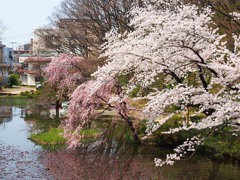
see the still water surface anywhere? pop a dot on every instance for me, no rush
(14, 131)
(22, 159)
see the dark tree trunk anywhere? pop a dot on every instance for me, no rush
(134, 132)
(132, 128)
(57, 108)
(201, 76)
(123, 114)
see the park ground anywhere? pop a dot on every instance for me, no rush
(16, 89)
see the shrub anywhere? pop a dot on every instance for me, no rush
(28, 94)
(13, 80)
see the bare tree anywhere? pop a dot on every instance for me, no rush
(79, 26)
(223, 17)
(2, 28)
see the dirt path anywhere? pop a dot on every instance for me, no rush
(16, 89)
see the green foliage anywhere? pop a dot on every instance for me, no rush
(123, 80)
(53, 136)
(171, 109)
(13, 80)
(223, 144)
(140, 103)
(179, 137)
(28, 94)
(215, 88)
(89, 135)
(159, 82)
(192, 79)
(173, 122)
(139, 91)
(196, 118)
(46, 96)
(89, 132)
(128, 137)
(142, 127)
(135, 91)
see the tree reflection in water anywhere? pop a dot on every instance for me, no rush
(118, 159)
(5, 114)
(97, 165)
(132, 163)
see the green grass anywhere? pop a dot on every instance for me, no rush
(53, 136)
(89, 132)
(15, 100)
(90, 135)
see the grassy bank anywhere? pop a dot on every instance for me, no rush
(15, 100)
(55, 136)
(223, 145)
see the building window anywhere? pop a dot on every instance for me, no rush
(37, 78)
(24, 78)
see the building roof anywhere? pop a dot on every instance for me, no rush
(34, 72)
(38, 59)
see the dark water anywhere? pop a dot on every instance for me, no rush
(22, 159)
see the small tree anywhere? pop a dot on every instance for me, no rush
(13, 80)
(65, 72)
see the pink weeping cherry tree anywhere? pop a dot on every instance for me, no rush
(70, 75)
(88, 102)
(65, 72)
(173, 39)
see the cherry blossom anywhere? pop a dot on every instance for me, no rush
(171, 39)
(65, 72)
(177, 40)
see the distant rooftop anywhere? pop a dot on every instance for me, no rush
(38, 59)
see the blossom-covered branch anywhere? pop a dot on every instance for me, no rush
(65, 72)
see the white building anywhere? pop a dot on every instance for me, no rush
(33, 73)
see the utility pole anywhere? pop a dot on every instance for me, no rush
(13, 43)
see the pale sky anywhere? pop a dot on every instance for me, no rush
(23, 16)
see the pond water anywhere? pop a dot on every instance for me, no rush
(14, 130)
(22, 159)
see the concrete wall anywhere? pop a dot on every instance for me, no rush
(22, 59)
(31, 80)
(24, 80)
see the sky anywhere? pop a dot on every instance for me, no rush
(21, 17)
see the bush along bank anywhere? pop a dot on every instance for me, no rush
(221, 144)
(15, 100)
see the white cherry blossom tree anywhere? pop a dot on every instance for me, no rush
(177, 39)
(174, 40)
